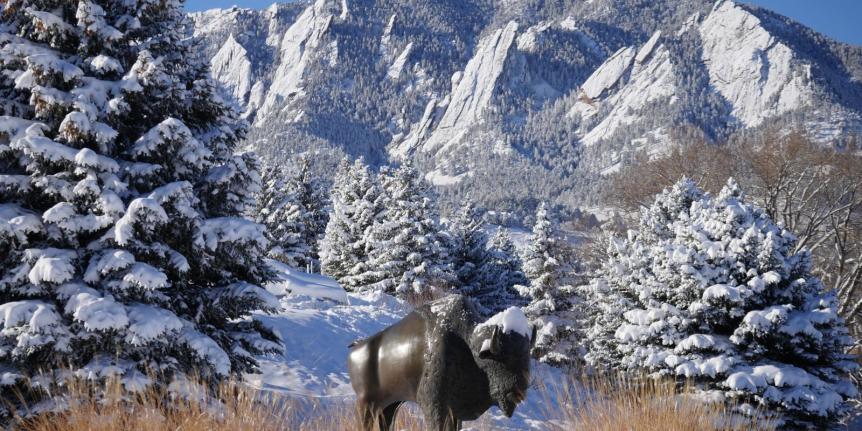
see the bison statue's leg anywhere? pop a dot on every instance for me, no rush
(373, 418)
(440, 420)
(387, 417)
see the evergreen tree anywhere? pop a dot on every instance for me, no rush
(294, 210)
(553, 300)
(308, 213)
(486, 270)
(407, 256)
(468, 250)
(500, 273)
(541, 264)
(273, 206)
(626, 258)
(356, 205)
(710, 289)
(120, 198)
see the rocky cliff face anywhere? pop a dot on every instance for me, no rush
(302, 42)
(566, 88)
(473, 89)
(244, 47)
(750, 68)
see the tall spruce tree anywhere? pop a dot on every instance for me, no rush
(499, 273)
(467, 250)
(307, 214)
(711, 290)
(485, 269)
(120, 198)
(553, 300)
(271, 211)
(357, 202)
(407, 256)
(294, 210)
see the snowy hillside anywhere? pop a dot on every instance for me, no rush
(476, 89)
(318, 320)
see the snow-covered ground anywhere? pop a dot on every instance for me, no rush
(317, 322)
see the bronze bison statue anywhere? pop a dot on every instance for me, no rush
(442, 358)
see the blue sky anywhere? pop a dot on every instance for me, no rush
(839, 19)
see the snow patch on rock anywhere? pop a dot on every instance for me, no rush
(609, 73)
(628, 81)
(397, 67)
(297, 48)
(648, 47)
(418, 133)
(438, 178)
(231, 67)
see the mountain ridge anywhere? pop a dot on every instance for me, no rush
(559, 93)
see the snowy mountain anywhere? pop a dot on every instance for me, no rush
(536, 98)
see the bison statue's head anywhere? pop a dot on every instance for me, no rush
(502, 349)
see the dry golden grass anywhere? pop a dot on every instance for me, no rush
(241, 408)
(618, 403)
(611, 404)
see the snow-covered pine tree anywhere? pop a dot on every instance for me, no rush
(294, 210)
(407, 256)
(356, 205)
(271, 210)
(308, 212)
(467, 249)
(711, 290)
(553, 299)
(500, 272)
(120, 198)
(484, 269)
(608, 292)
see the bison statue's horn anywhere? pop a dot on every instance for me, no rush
(491, 346)
(533, 336)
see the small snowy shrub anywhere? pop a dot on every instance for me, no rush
(123, 249)
(710, 289)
